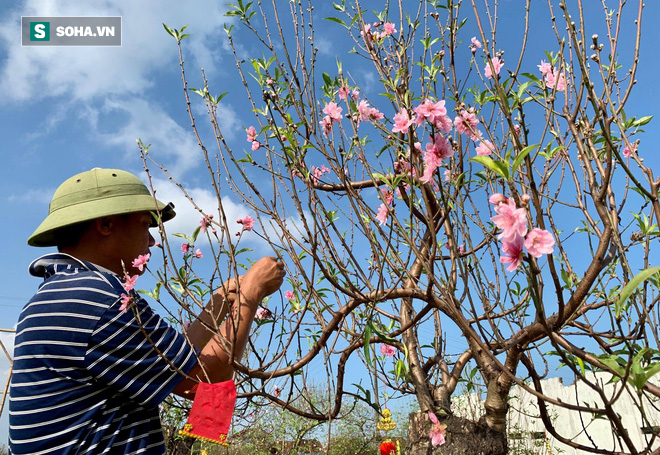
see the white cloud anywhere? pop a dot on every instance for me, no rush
(41, 196)
(171, 144)
(83, 73)
(187, 216)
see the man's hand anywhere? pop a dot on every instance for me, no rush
(264, 277)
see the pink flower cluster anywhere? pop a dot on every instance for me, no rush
(476, 44)
(263, 314)
(514, 236)
(247, 222)
(367, 113)
(205, 222)
(128, 285)
(438, 431)
(434, 113)
(252, 137)
(436, 150)
(629, 151)
(387, 350)
(344, 92)
(383, 210)
(466, 123)
(485, 148)
(402, 121)
(553, 80)
(376, 35)
(318, 172)
(187, 247)
(141, 261)
(333, 115)
(493, 67)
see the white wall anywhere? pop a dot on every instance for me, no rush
(582, 428)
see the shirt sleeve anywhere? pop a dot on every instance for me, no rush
(127, 353)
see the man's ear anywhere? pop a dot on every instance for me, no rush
(105, 225)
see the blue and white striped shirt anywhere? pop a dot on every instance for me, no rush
(86, 379)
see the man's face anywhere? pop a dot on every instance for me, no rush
(132, 238)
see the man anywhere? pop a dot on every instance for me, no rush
(92, 361)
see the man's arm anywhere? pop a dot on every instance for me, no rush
(215, 361)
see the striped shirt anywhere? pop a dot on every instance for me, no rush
(86, 379)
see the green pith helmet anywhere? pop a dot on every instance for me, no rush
(95, 194)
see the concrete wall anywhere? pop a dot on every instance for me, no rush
(527, 434)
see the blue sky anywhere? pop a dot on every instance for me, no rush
(67, 110)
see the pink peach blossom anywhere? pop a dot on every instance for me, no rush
(387, 350)
(129, 282)
(511, 220)
(289, 295)
(497, 199)
(255, 145)
(247, 222)
(333, 111)
(205, 222)
(539, 242)
(251, 134)
(389, 28)
(185, 247)
(318, 172)
(513, 251)
(628, 151)
(555, 82)
(125, 301)
(383, 214)
(366, 33)
(141, 261)
(485, 148)
(326, 125)
(343, 92)
(545, 67)
(438, 431)
(276, 391)
(436, 151)
(367, 113)
(198, 253)
(401, 122)
(263, 314)
(497, 65)
(466, 123)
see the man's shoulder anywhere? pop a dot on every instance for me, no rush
(64, 273)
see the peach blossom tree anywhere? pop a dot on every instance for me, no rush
(485, 203)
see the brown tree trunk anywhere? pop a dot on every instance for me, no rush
(462, 437)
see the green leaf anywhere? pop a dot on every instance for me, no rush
(497, 167)
(326, 79)
(367, 342)
(630, 287)
(382, 335)
(170, 31)
(337, 20)
(184, 236)
(613, 361)
(642, 121)
(521, 156)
